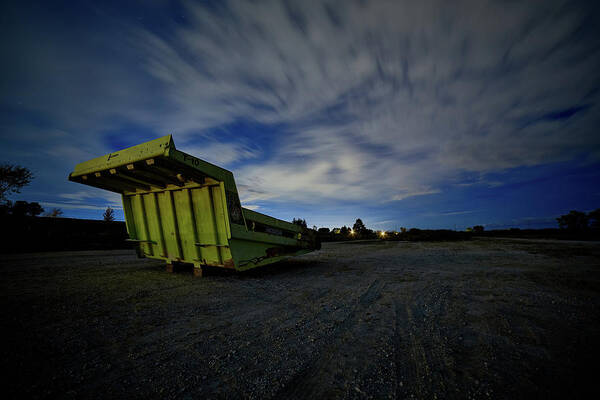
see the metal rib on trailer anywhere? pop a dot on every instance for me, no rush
(179, 208)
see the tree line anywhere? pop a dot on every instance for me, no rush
(12, 179)
(583, 225)
(577, 221)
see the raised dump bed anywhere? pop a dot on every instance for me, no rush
(179, 208)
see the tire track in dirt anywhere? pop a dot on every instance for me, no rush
(305, 383)
(424, 364)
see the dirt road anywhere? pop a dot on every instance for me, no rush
(487, 318)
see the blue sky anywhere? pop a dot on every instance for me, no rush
(426, 114)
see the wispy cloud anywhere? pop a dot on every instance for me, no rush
(380, 223)
(86, 199)
(76, 206)
(220, 153)
(462, 94)
(457, 212)
(447, 213)
(374, 101)
(87, 194)
(413, 194)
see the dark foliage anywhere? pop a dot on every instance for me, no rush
(573, 221)
(299, 221)
(20, 209)
(414, 234)
(12, 179)
(359, 227)
(574, 226)
(109, 215)
(594, 219)
(23, 208)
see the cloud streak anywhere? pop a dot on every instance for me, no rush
(366, 102)
(386, 98)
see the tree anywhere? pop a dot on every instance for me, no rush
(344, 230)
(55, 213)
(323, 230)
(573, 221)
(22, 208)
(34, 209)
(109, 214)
(299, 222)
(478, 229)
(12, 179)
(359, 227)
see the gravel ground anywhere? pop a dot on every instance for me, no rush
(488, 318)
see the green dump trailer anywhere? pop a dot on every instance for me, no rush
(181, 209)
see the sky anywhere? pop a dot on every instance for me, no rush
(428, 114)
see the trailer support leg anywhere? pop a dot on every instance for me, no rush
(198, 270)
(169, 267)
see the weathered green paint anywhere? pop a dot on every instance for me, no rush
(180, 208)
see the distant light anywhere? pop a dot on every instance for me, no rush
(352, 231)
(382, 234)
